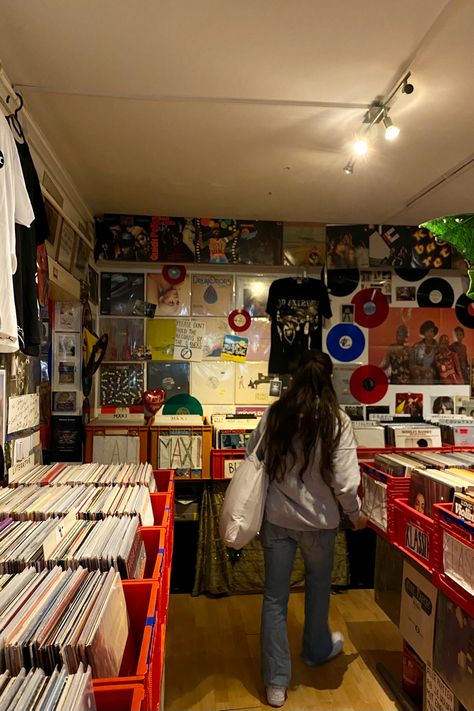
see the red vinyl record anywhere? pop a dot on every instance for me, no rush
(174, 273)
(370, 308)
(239, 320)
(368, 384)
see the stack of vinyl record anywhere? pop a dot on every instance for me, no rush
(59, 692)
(97, 474)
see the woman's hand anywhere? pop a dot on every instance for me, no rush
(361, 522)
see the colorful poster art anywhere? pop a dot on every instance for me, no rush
(426, 346)
(408, 246)
(229, 241)
(348, 246)
(304, 244)
(170, 299)
(144, 238)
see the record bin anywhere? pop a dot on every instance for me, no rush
(224, 462)
(164, 479)
(101, 430)
(396, 487)
(450, 527)
(182, 445)
(123, 697)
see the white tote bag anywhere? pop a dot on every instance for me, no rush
(244, 502)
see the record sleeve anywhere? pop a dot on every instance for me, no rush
(213, 382)
(211, 295)
(252, 294)
(170, 299)
(119, 292)
(304, 244)
(172, 377)
(252, 384)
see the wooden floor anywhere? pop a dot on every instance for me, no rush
(213, 659)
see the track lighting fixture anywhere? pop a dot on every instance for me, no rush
(377, 112)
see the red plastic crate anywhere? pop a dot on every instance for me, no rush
(414, 534)
(220, 456)
(448, 523)
(368, 453)
(141, 597)
(154, 538)
(123, 697)
(164, 479)
(397, 488)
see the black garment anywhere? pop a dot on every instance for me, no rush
(27, 239)
(297, 309)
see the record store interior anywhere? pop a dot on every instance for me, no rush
(236, 294)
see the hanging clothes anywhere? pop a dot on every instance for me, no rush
(15, 206)
(25, 279)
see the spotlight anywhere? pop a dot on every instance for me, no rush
(361, 147)
(349, 168)
(391, 131)
(408, 88)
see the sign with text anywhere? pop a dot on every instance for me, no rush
(418, 612)
(188, 339)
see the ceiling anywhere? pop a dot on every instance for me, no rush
(210, 108)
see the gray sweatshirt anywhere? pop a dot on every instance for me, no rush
(309, 504)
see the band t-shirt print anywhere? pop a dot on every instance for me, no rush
(297, 309)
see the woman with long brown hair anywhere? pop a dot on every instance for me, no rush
(310, 456)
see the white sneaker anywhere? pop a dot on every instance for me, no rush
(276, 696)
(337, 645)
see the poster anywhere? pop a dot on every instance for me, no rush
(348, 246)
(408, 246)
(172, 377)
(304, 244)
(213, 382)
(160, 335)
(211, 295)
(422, 346)
(170, 299)
(188, 339)
(438, 696)
(418, 612)
(229, 241)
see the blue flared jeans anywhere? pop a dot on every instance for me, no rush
(279, 545)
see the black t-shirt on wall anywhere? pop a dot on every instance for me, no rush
(297, 309)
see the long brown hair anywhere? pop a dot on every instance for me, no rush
(307, 412)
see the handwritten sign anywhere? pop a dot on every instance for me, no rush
(23, 412)
(188, 339)
(230, 467)
(438, 696)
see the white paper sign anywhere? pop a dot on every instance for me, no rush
(458, 561)
(418, 612)
(438, 696)
(23, 412)
(189, 339)
(374, 503)
(116, 449)
(22, 468)
(230, 467)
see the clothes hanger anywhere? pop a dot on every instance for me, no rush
(302, 277)
(13, 119)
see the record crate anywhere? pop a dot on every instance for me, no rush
(224, 462)
(158, 564)
(180, 447)
(138, 663)
(96, 430)
(452, 530)
(415, 534)
(163, 515)
(396, 487)
(164, 480)
(123, 697)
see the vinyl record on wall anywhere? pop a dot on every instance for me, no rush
(368, 384)
(182, 404)
(342, 282)
(435, 293)
(465, 311)
(371, 308)
(345, 342)
(412, 274)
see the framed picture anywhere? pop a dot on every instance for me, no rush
(66, 374)
(54, 224)
(67, 243)
(67, 316)
(81, 259)
(65, 401)
(66, 346)
(93, 278)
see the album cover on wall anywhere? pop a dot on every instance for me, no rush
(170, 299)
(342, 374)
(67, 245)
(409, 404)
(122, 385)
(408, 246)
(81, 260)
(54, 224)
(66, 346)
(223, 241)
(347, 246)
(422, 346)
(464, 405)
(67, 438)
(65, 401)
(377, 279)
(211, 295)
(120, 292)
(160, 337)
(173, 378)
(213, 382)
(251, 294)
(252, 383)
(213, 340)
(126, 338)
(144, 238)
(258, 334)
(304, 244)
(93, 280)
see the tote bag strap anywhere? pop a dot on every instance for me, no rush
(257, 446)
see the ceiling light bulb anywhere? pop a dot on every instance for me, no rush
(361, 147)
(349, 168)
(391, 131)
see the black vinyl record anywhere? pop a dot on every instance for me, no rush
(465, 311)
(435, 293)
(342, 282)
(412, 274)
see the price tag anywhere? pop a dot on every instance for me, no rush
(230, 467)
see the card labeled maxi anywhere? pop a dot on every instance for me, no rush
(418, 612)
